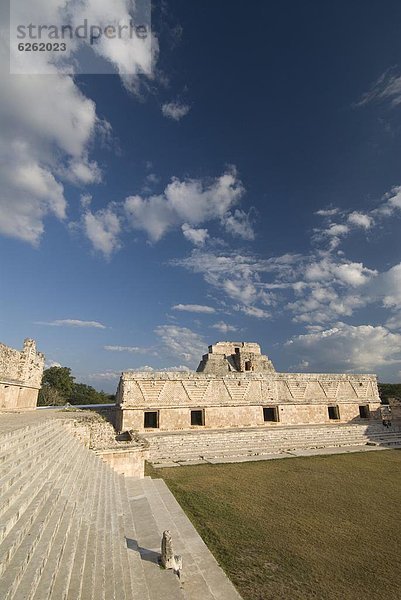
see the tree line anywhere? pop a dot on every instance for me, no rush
(59, 387)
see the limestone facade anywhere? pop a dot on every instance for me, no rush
(226, 393)
(20, 376)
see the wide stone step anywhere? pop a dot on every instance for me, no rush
(29, 474)
(23, 493)
(17, 565)
(255, 443)
(49, 549)
(139, 587)
(196, 447)
(28, 445)
(78, 555)
(95, 546)
(202, 577)
(56, 576)
(162, 585)
(22, 437)
(272, 439)
(9, 473)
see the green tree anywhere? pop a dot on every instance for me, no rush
(60, 379)
(49, 396)
(389, 390)
(57, 386)
(86, 394)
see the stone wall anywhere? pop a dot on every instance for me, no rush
(226, 357)
(20, 376)
(238, 399)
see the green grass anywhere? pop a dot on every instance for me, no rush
(320, 527)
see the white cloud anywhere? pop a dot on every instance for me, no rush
(337, 229)
(103, 229)
(360, 220)
(389, 287)
(387, 87)
(196, 308)
(106, 376)
(174, 369)
(224, 327)
(72, 323)
(110, 375)
(175, 110)
(354, 274)
(47, 123)
(134, 349)
(327, 212)
(197, 237)
(51, 363)
(190, 203)
(253, 311)
(181, 342)
(347, 348)
(237, 275)
(238, 224)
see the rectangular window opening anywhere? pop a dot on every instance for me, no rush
(198, 417)
(334, 413)
(270, 414)
(364, 411)
(151, 419)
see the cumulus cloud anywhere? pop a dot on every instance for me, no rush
(181, 342)
(254, 311)
(360, 220)
(389, 286)
(47, 123)
(327, 212)
(197, 237)
(238, 224)
(72, 323)
(175, 110)
(196, 308)
(134, 349)
(111, 375)
(347, 348)
(105, 376)
(190, 202)
(224, 327)
(238, 275)
(103, 229)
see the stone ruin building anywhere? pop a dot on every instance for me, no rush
(237, 386)
(20, 376)
(78, 518)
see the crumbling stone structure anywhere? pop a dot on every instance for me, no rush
(236, 386)
(20, 376)
(168, 559)
(237, 357)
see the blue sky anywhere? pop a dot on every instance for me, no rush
(249, 188)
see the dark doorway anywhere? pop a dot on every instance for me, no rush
(334, 413)
(151, 420)
(364, 411)
(270, 413)
(197, 417)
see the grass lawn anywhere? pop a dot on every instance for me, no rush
(321, 527)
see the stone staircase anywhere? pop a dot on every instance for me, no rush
(156, 510)
(71, 528)
(236, 445)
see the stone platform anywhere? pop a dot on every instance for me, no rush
(239, 445)
(73, 528)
